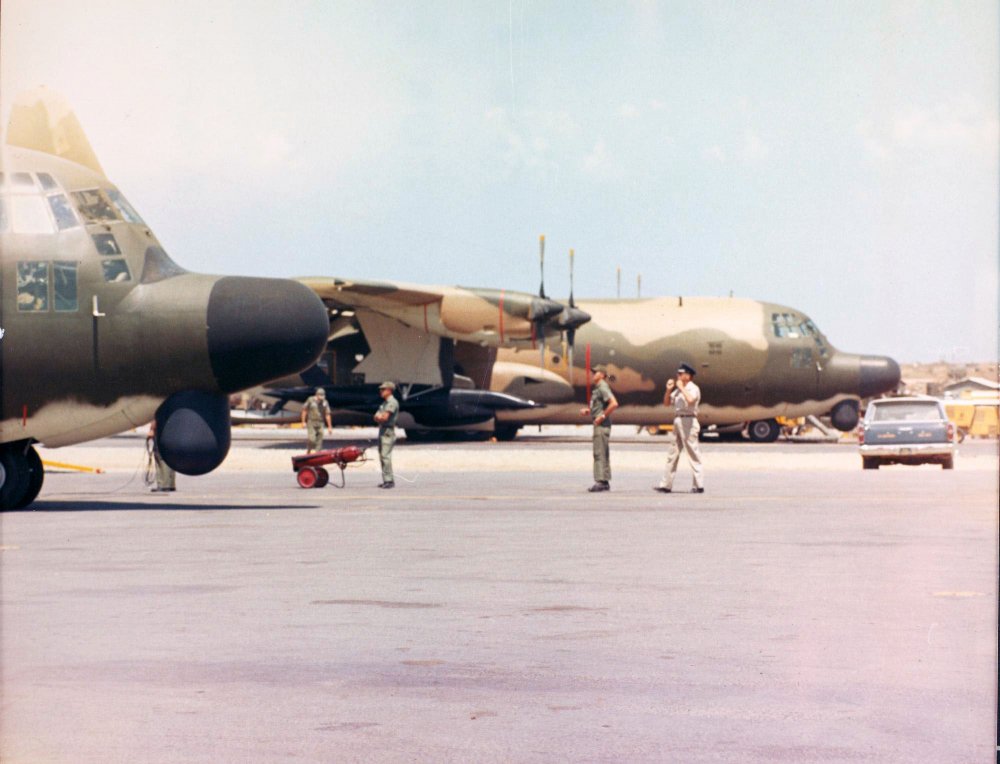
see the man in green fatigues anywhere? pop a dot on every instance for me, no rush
(602, 403)
(386, 418)
(315, 413)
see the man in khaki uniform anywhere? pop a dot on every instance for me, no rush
(315, 413)
(602, 403)
(685, 396)
(386, 418)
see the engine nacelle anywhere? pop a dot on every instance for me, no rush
(193, 431)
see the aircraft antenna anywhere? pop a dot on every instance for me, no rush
(638, 285)
(541, 293)
(571, 332)
(618, 291)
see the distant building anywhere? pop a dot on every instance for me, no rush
(970, 385)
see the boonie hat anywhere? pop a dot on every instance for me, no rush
(320, 392)
(387, 386)
(600, 368)
(684, 368)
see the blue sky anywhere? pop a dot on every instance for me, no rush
(838, 157)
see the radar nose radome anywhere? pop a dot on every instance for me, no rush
(261, 329)
(878, 374)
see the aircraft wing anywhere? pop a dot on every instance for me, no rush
(489, 317)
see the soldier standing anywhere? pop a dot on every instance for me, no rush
(685, 396)
(386, 418)
(602, 403)
(165, 475)
(315, 413)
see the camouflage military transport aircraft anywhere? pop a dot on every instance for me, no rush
(479, 356)
(102, 331)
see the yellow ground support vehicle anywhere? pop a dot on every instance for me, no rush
(976, 416)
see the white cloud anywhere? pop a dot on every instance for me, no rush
(960, 126)
(628, 111)
(715, 153)
(754, 149)
(599, 163)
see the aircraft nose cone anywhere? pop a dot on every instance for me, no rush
(262, 329)
(879, 374)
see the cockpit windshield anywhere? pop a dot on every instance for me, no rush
(793, 326)
(35, 203)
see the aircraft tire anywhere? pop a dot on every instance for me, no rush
(322, 477)
(506, 432)
(36, 476)
(15, 476)
(844, 416)
(763, 431)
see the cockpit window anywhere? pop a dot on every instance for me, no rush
(62, 212)
(106, 244)
(28, 214)
(95, 207)
(32, 286)
(22, 180)
(785, 325)
(64, 292)
(47, 181)
(127, 210)
(116, 270)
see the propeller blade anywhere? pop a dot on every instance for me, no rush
(570, 337)
(571, 303)
(541, 263)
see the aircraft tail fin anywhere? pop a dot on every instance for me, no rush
(42, 121)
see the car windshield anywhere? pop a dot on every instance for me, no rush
(909, 411)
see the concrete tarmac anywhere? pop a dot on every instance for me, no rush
(489, 609)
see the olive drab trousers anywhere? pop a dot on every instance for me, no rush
(602, 453)
(165, 476)
(386, 440)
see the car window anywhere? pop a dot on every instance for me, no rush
(910, 411)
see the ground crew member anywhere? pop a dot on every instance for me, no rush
(685, 396)
(386, 418)
(314, 413)
(165, 475)
(602, 403)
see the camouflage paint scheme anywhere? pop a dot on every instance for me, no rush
(745, 371)
(755, 360)
(100, 326)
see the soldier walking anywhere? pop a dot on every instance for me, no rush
(386, 418)
(315, 413)
(602, 403)
(685, 396)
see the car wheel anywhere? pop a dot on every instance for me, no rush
(948, 463)
(869, 463)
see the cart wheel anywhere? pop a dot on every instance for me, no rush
(307, 477)
(322, 477)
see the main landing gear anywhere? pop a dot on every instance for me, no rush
(21, 474)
